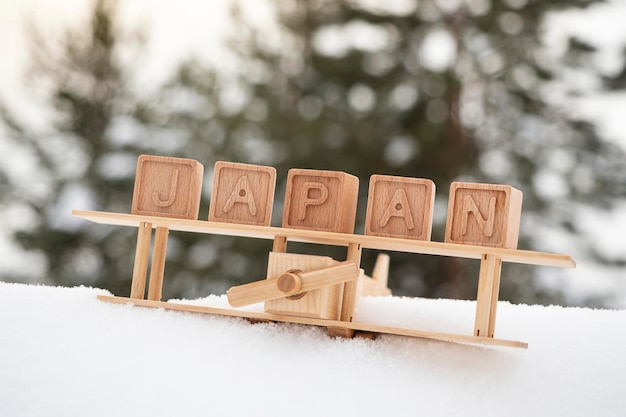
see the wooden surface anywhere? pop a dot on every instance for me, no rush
(142, 256)
(166, 186)
(483, 214)
(487, 296)
(157, 268)
(242, 193)
(373, 328)
(320, 200)
(400, 207)
(269, 289)
(320, 303)
(376, 285)
(329, 238)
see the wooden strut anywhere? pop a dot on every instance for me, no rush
(142, 256)
(487, 297)
(157, 268)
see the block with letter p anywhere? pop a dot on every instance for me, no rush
(320, 200)
(168, 187)
(400, 207)
(484, 214)
(242, 193)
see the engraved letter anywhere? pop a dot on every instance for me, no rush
(308, 199)
(487, 225)
(398, 207)
(241, 194)
(156, 199)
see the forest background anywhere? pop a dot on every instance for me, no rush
(518, 92)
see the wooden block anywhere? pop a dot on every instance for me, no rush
(324, 303)
(168, 187)
(400, 207)
(320, 200)
(484, 214)
(242, 193)
(157, 268)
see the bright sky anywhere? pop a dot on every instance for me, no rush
(180, 27)
(177, 27)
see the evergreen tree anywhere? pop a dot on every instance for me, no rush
(436, 89)
(441, 90)
(84, 90)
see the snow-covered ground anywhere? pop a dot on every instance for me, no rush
(64, 353)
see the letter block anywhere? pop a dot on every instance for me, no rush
(168, 187)
(400, 207)
(242, 193)
(484, 214)
(320, 200)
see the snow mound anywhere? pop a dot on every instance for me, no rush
(64, 353)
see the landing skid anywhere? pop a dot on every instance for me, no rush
(335, 327)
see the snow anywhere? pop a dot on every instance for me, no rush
(64, 353)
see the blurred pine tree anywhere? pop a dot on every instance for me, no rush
(446, 90)
(443, 90)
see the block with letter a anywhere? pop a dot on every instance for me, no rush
(242, 193)
(400, 207)
(484, 214)
(168, 187)
(320, 200)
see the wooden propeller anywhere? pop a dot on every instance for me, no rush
(291, 283)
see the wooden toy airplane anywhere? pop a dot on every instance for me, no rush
(320, 207)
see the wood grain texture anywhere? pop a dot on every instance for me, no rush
(269, 289)
(487, 296)
(483, 214)
(157, 268)
(319, 303)
(351, 288)
(142, 256)
(372, 328)
(376, 285)
(242, 193)
(169, 187)
(400, 207)
(320, 200)
(329, 238)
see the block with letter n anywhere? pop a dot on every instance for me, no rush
(320, 200)
(400, 207)
(484, 215)
(242, 193)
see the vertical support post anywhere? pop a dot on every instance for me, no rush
(158, 264)
(280, 244)
(350, 288)
(142, 254)
(487, 297)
